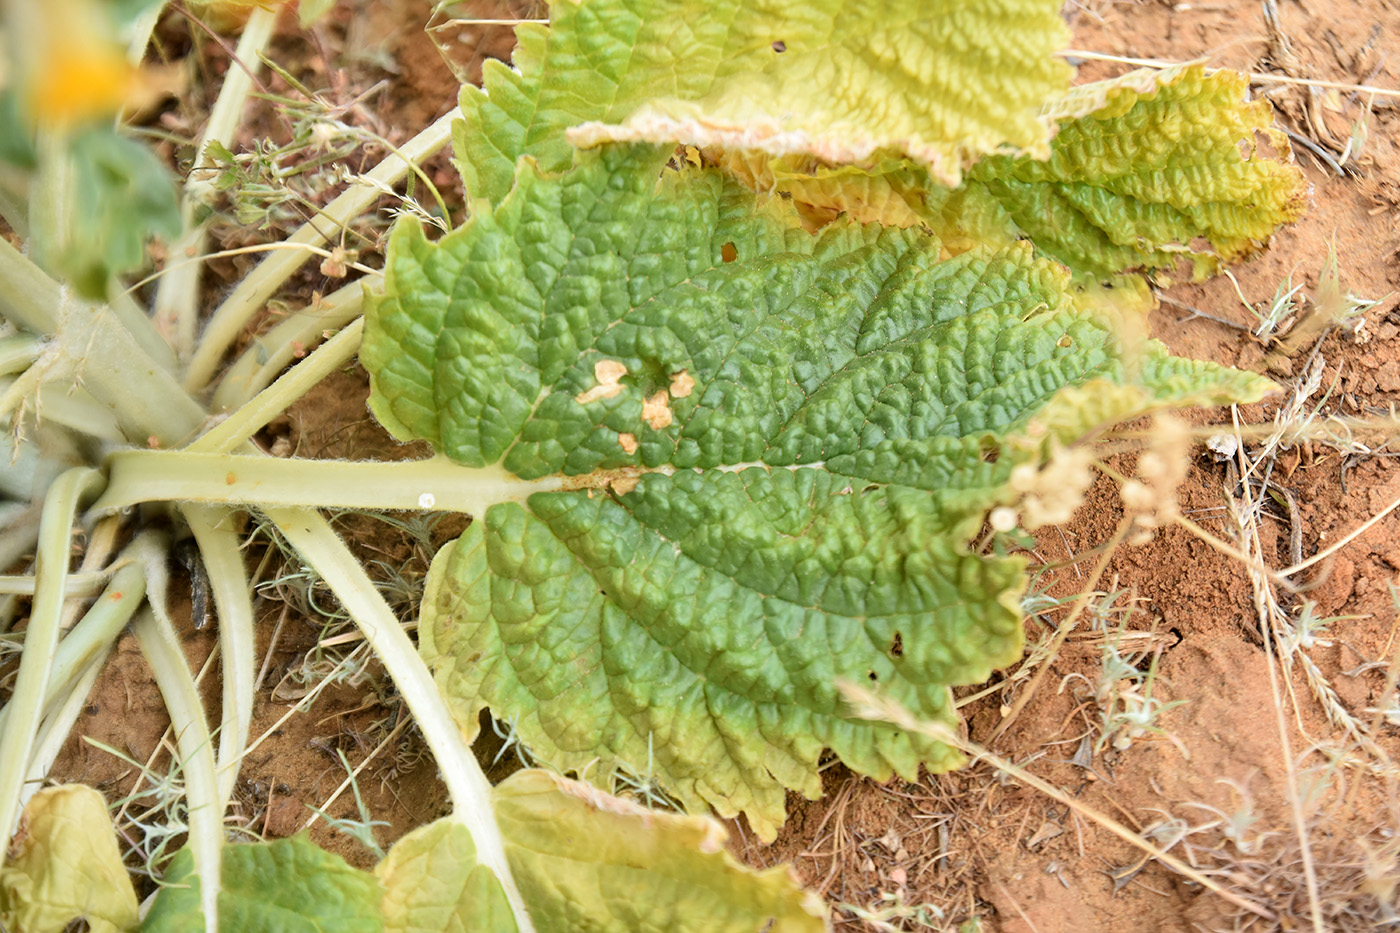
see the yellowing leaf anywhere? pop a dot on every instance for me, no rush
(586, 860)
(433, 884)
(1131, 185)
(64, 865)
(939, 82)
(1142, 166)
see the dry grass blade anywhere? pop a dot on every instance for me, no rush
(1255, 76)
(1064, 629)
(872, 706)
(1249, 533)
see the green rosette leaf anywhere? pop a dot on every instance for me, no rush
(764, 455)
(287, 886)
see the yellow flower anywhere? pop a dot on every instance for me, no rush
(71, 68)
(82, 78)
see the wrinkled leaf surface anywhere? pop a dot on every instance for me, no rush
(1142, 166)
(938, 81)
(780, 445)
(288, 886)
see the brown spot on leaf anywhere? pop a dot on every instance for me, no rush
(656, 411)
(607, 372)
(681, 384)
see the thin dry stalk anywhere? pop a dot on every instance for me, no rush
(1249, 533)
(1065, 628)
(872, 706)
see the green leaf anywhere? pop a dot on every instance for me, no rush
(123, 196)
(176, 907)
(64, 866)
(433, 884)
(939, 81)
(1142, 166)
(16, 144)
(770, 468)
(287, 886)
(586, 860)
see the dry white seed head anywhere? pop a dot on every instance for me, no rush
(1151, 498)
(1053, 492)
(1002, 518)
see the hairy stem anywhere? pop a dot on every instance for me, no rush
(162, 648)
(18, 352)
(52, 402)
(50, 200)
(93, 634)
(30, 298)
(104, 356)
(435, 485)
(77, 661)
(324, 552)
(41, 638)
(223, 560)
(35, 301)
(77, 584)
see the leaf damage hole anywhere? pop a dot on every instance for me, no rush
(728, 252)
(874, 677)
